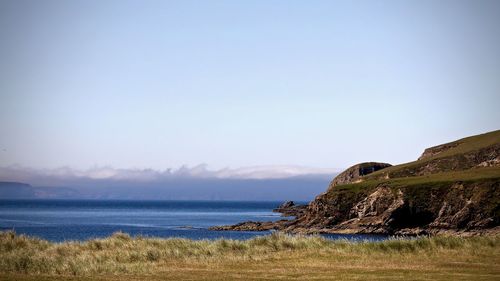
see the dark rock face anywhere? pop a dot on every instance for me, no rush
(384, 210)
(355, 172)
(416, 208)
(369, 213)
(463, 207)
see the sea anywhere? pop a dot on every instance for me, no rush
(79, 220)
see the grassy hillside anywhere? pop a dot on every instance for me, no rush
(404, 176)
(457, 149)
(274, 257)
(468, 144)
(476, 175)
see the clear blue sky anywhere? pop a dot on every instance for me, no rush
(158, 84)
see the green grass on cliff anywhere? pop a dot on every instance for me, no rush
(274, 257)
(472, 175)
(396, 180)
(464, 145)
(471, 143)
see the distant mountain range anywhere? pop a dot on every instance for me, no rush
(273, 183)
(17, 190)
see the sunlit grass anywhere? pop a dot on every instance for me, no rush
(268, 257)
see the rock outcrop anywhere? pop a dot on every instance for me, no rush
(356, 172)
(253, 226)
(435, 150)
(290, 209)
(453, 189)
(461, 206)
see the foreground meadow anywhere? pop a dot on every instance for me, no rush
(273, 257)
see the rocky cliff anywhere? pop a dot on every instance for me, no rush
(356, 172)
(451, 188)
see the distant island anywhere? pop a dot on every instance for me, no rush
(453, 188)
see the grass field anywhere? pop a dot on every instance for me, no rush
(274, 257)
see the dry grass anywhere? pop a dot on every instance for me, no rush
(273, 257)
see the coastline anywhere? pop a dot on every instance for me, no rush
(283, 225)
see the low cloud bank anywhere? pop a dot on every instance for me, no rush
(197, 183)
(19, 173)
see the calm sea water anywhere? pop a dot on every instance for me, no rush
(60, 220)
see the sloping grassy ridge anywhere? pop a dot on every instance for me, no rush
(464, 154)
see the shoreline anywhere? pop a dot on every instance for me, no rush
(413, 232)
(292, 226)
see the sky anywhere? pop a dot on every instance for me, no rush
(323, 84)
